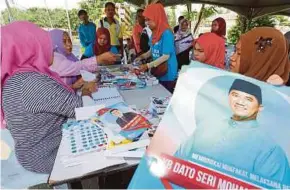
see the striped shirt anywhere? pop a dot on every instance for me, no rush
(35, 107)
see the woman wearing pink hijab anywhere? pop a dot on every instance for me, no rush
(34, 99)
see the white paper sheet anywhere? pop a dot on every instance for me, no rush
(84, 113)
(128, 154)
(87, 76)
(67, 167)
(85, 164)
(107, 96)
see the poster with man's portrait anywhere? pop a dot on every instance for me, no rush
(221, 131)
(124, 127)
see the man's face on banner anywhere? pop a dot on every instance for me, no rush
(243, 104)
(117, 113)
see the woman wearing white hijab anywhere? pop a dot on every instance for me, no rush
(183, 43)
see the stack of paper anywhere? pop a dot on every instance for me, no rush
(158, 105)
(126, 129)
(150, 81)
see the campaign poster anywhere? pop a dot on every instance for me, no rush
(124, 127)
(221, 131)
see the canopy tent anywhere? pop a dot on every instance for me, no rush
(285, 13)
(248, 8)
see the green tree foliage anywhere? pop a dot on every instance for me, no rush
(40, 16)
(204, 13)
(282, 20)
(94, 8)
(171, 16)
(192, 15)
(201, 16)
(243, 25)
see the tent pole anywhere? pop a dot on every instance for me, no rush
(9, 11)
(68, 20)
(249, 19)
(189, 9)
(48, 14)
(188, 5)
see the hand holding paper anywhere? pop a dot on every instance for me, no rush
(89, 88)
(88, 76)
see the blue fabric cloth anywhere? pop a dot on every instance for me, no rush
(165, 46)
(90, 51)
(87, 35)
(228, 141)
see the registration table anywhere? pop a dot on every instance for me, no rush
(88, 164)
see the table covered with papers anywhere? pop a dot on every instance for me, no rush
(112, 129)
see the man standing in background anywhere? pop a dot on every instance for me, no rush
(87, 33)
(113, 26)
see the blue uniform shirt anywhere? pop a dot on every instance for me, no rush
(165, 46)
(242, 144)
(90, 51)
(114, 50)
(87, 35)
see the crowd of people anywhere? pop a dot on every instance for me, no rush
(40, 74)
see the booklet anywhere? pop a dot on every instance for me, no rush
(221, 131)
(158, 105)
(107, 95)
(129, 84)
(124, 127)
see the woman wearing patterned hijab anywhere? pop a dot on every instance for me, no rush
(262, 53)
(183, 43)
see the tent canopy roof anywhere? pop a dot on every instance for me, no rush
(248, 8)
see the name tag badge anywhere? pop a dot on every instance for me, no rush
(156, 53)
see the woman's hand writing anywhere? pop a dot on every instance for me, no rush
(78, 84)
(89, 88)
